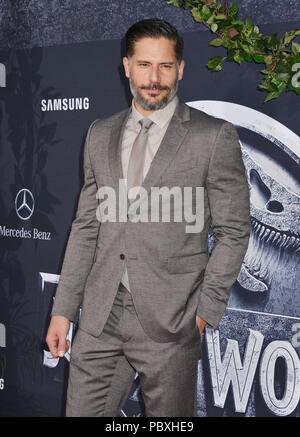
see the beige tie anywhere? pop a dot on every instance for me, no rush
(137, 158)
(135, 170)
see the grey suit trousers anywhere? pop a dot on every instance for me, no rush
(102, 369)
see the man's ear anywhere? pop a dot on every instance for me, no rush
(126, 66)
(180, 70)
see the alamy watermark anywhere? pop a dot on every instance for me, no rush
(2, 357)
(296, 77)
(2, 76)
(2, 335)
(163, 203)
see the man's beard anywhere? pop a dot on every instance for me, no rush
(145, 103)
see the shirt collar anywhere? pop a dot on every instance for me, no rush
(160, 117)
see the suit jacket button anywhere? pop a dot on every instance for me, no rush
(122, 256)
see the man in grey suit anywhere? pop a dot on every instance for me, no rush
(146, 283)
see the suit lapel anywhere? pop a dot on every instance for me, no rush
(169, 146)
(115, 143)
(167, 150)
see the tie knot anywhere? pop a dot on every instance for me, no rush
(146, 123)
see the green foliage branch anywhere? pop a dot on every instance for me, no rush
(244, 42)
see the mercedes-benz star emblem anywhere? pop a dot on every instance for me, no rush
(24, 204)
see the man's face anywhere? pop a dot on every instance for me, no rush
(153, 73)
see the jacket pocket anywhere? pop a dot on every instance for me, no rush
(187, 263)
(182, 167)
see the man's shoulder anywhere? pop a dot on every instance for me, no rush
(201, 119)
(108, 122)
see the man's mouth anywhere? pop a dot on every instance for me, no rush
(155, 91)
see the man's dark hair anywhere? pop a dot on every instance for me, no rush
(153, 28)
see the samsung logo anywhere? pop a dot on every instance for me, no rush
(66, 104)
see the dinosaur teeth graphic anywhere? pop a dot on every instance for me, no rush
(254, 276)
(279, 239)
(275, 226)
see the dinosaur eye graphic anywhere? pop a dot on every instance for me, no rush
(259, 192)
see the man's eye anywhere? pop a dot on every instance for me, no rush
(143, 65)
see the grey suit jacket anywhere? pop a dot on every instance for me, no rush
(172, 278)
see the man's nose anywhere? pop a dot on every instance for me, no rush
(154, 75)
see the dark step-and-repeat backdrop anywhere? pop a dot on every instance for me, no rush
(48, 98)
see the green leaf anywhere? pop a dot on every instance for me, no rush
(214, 27)
(176, 3)
(295, 48)
(278, 84)
(205, 9)
(187, 4)
(272, 95)
(294, 60)
(215, 63)
(237, 22)
(282, 67)
(284, 77)
(230, 54)
(233, 10)
(259, 45)
(238, 57)
(245, 48)
(248, 22)
(205, 12)
(221, 17)
(268, 59)
(217, 42)
(264, 86)
(272, 42)
(211, 19)
(258, 58)
(289, 36)
(196, 14)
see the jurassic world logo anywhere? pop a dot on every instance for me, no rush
(265, 300)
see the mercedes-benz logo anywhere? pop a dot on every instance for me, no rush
(24, 204)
